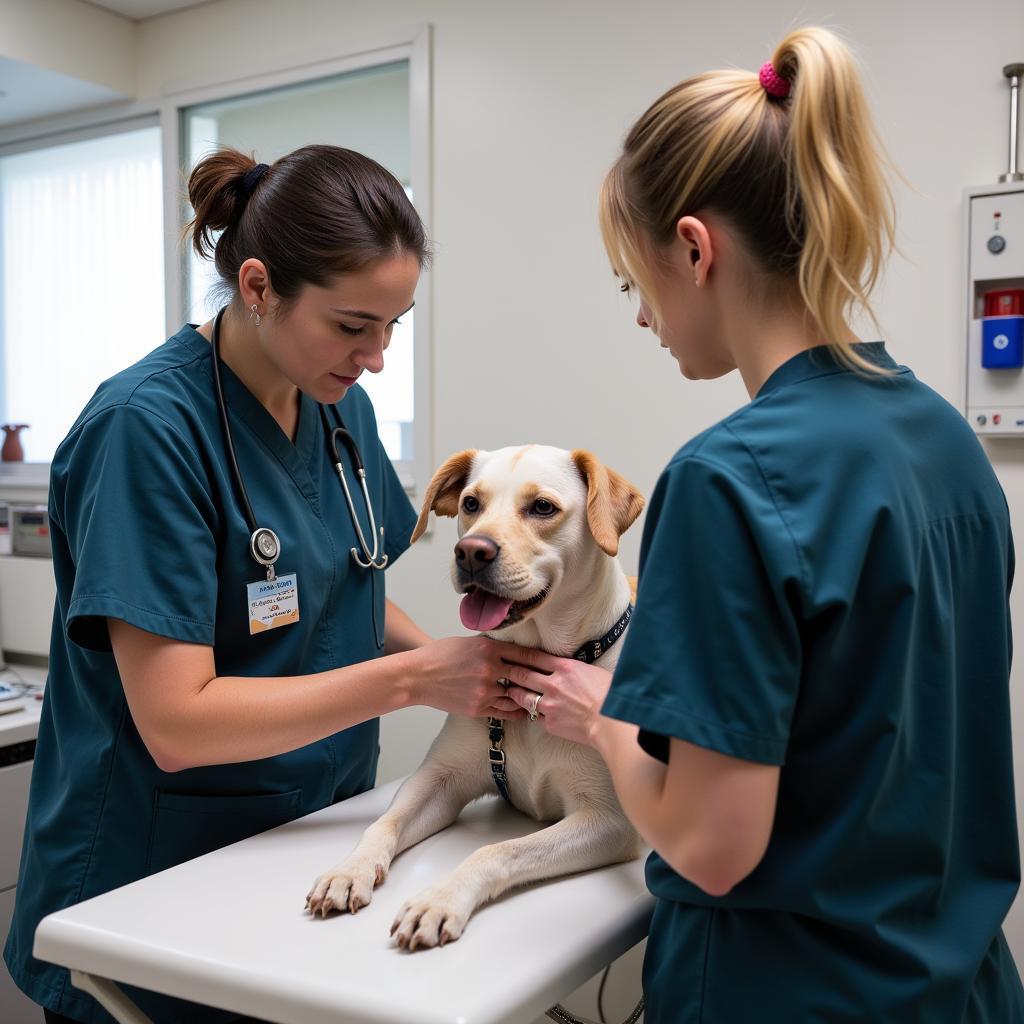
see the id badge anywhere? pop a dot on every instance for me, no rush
(273, 603)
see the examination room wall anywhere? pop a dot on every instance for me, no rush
(531, 340)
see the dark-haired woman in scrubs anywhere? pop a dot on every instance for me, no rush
(810, 718)
(183, 713)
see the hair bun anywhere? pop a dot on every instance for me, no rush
(215, 192)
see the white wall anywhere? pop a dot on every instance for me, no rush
(531, 100)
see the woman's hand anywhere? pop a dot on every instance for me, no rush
(566, 694)
(460, 675)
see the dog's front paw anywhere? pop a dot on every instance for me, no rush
(349, 886)
(438, 915)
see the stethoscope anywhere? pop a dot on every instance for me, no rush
(264, 544)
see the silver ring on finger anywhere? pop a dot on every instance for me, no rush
(534, 711)
(504, 683)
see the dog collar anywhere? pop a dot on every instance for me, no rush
(593, 649)
(589, 652)
(496, 734)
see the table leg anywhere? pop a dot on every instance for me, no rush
(110, 997)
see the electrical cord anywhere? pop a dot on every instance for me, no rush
(563, 1016)
(600, 995)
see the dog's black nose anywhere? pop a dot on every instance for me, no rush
(475, 550)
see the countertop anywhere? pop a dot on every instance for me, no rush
(23, 723)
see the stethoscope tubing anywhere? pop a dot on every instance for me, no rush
(222, 408)
(373, 558)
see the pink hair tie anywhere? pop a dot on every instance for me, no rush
(774, 84)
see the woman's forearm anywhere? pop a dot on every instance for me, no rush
(708, 814)
(187, 715)
(639, 780)
(668, 826)
(233, 718)
(241, 719)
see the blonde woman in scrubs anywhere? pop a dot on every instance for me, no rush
(172, 725)
(810, 720)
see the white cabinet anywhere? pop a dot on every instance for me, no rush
(17, 746)
(14, 782)
(15, 1008)
(27, 593)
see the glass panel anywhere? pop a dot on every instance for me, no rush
(83, 276)
(366, 110)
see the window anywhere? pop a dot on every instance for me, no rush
(82, 285)
(92, 273)
(366, 110)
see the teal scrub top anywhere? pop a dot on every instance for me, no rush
(147, 528)
(824, 586)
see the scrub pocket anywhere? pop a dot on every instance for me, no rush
(186, 826)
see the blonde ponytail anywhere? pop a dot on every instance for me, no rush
(837, 179)
(800, 178)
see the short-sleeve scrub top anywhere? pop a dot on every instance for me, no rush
(147, 528)
(824, 586)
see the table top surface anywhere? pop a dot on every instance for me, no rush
(230, 929)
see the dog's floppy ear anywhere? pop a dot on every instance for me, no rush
(443, 491)
(613, 503)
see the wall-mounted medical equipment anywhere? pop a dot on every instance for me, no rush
(995, 292)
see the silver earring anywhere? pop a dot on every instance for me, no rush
(255, 313)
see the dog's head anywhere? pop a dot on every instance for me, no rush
(528, 517)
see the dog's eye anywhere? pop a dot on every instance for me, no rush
(542, 507)
(470, 504)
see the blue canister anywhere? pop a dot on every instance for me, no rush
(1002, 342)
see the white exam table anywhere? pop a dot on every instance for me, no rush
(229, 929)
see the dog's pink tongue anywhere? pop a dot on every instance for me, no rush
(482, 611)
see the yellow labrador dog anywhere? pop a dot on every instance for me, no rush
(539, 529)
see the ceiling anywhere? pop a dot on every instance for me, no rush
(28, 92)
(137, 10)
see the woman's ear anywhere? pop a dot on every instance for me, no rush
(254, 285)
(694, 238)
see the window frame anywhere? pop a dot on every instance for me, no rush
(28, 481)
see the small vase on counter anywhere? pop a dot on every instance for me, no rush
(12, 450)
